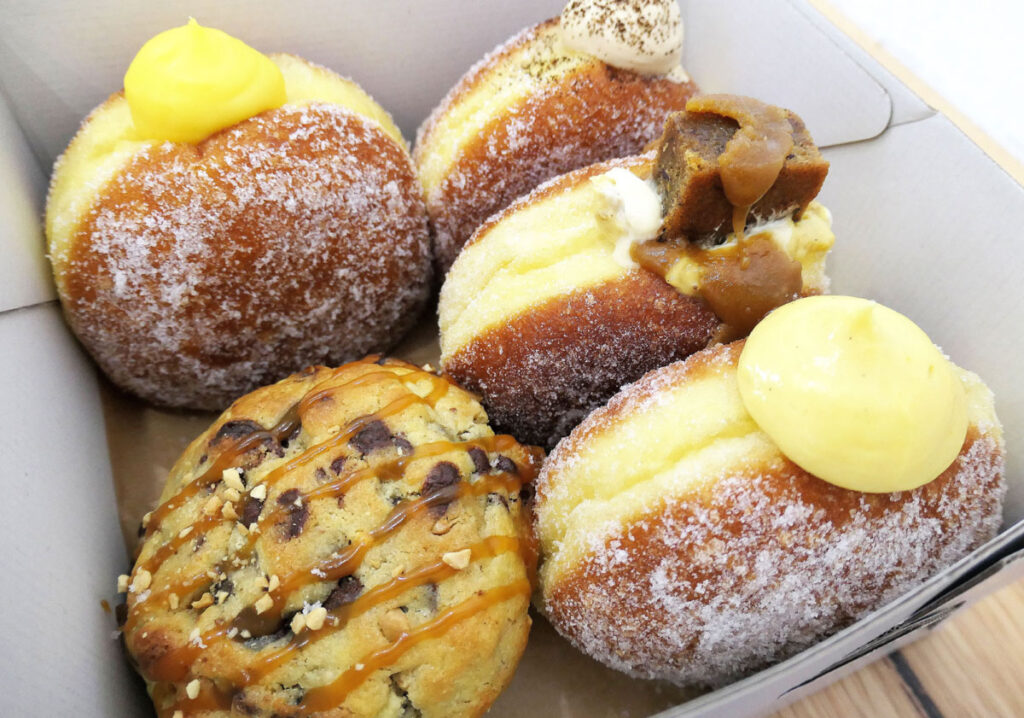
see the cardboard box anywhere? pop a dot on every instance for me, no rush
(924, 223)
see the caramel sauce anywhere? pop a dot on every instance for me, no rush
(742, 290)
(741, 283)
(744, 281)
(175, 666)
(388, 471)
(333, 694)
(754, 156)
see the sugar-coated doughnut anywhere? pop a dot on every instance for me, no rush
(542, 319)
(679, 543)
(194, 273)
(532, 109)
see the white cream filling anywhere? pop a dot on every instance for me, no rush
(644, 37)
(634, 206)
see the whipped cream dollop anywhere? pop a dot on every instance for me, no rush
(635, 207)
(640, 35)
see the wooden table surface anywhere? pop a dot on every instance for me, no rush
(972, 665)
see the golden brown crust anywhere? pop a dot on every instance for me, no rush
(594, 113)
(729, 573)
(542, 371)
(202, 271)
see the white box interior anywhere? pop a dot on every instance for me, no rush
(924, 222)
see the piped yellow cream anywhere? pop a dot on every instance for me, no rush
(854, 393)
(188, 82)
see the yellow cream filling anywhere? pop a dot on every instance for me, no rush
(188, 82)
(854, 393)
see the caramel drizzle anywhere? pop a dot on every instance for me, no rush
(333, 694)
(284, 428)
(170, 547)
(339, 617)
(390, 470)
(176, 666)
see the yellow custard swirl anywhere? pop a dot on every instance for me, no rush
(188, 82)
(854, 393)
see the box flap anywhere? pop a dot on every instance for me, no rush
(58, 526)
(926, 223)
(24, 272)
(777, 54)
(906, 106)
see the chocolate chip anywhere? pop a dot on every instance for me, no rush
(376, 435)
(526, 492)
(288, 497)
(338, 464)
(479, 457)
(199, 543)
(320, 475)
(506, 465)
(202, 459)
(409, 710)
(442, 475)
(431, 589)
(297, 514)
(226, 585)
(403, 445)
(347, 591)
(235, 429)
(240, 705)
(251, 509)
(257, 643)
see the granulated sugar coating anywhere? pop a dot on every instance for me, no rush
(200, 272)
(702, 554)
(530, 110)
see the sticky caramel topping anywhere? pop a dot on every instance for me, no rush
(175, 668)
(745, 279)
(741, 283)
(754, 156)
